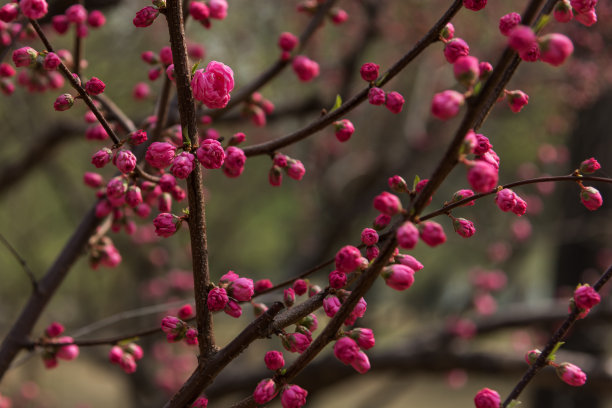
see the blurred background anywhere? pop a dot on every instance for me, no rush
(436, 344)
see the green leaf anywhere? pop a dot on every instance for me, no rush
(541, 23)
(195, 67)
(415, 182)
(125, 342)
(337, 104)
(552, 356)
(514, 403)
(381, 79)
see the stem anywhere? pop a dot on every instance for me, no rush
(22, 262)
(195, 192)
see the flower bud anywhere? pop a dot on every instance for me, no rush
(407, 235)
(387, 203)
(398, 184)
(145, 17)
(487, 398)
(532, 355)
(94, 86)
(376, 96)
(394, 102)
(555, 48)
(508, 22)
(464, 227)
(571, 374)
(591, 198)
(165, 225)
(474, 5)
(432, 233)
(369, 71)
(466, 70)
(287, 41)
(337, 279)
(446, 104)
(305, 68)
(563, 11)
(63, 102)
(448, 32)
(344, 129)
(265, 391)
(455, 48)
(300, 287)
(398, 277)
(274, 360)
(217, 299)
(482, 177)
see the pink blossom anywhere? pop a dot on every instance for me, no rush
(76, 14)
(448, 32)
(265, 391)
(217, 299)
(563, 11)
(125, 161)
(170, 324)
(394, 102)
(182, 166)
(407, 235)
(69, 352)
(571, 374)
(520, 208)
(6, 71)
(145, 17)
(369, 71)
(160, 154)
(432, 233)
(201, 402)
(521, 38)
(274, 360)
(482, 177)
(140, 91)
(93, 180)
(185, 312)
(464, 227)
(275, 176)
(516, 100)
(212, 86)
(361, 364)
(9, 12)
(300, 287)
(116, 187)
(474, 5)
(387, 203)
(357, 312)
(583, 6)
(466, 70)
(455, 48)
(338, 16)
(591, 198)
(331, 305)
(585, 297)
(211, 154)
(398, 184)
(191, 337)
(346, 349)
(198, 10)
(230, 276)
(262, 284)
(60, 23)
(94, 86)
(115, 354)
(348, 258)
(96, 19)
(295, 169)
(381, 221)
(128, 363)
(242, 289)
(505, 199)
(398, 276)
(235, 160)
(344, 129)
(487, 398)
(305, 68)
(555, 48)
(296, 342)
(165, 225)
(287, 41)
(24, 56)
(364, 337)
(589, 166)
(63, 102)
(54, 329)
(410, 261)
(508, 22)
(369, 236)
(337, 279)
(446, 104)
(33, 9)
(310, 322)
(51, 62)
(588, 18)
(376, 96)
(218, 9)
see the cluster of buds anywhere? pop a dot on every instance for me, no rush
(177, 330)
(582, 10)
(257, 108)
(293, 396)
(287, 43)
(80, 18)
(293, 168)
(65, 101)
(333, 302)
(160, 63)
(56, 346)
(40, 73)
(589, 196)
(348, 260)
(305, 68)
(347, 348)
(430, 232)
(299, 288)
(231, 290)
(569, 373)
(552, 48)
(483, 170)
(203, 12)
(508, 200)
(300, 339)
(104, 253)
(126, 356)
(310, 7)
(394, 101)
(34, 9)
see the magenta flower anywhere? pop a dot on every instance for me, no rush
(585, 297)
(348, 258)
(432, 233)
(94, 86)
(33, 9)
(464, 227)
(364, 337)
(211, 154)
(466, 70)
(182, 166)
(410, 261)
(165, 225)
(287, 41)
(63, 102)
(446, 104)
(591, 198)
(407, 235)
(555, 48)
(217, 299)
(145, 17)
(160, 154)
(344, 129)
(125, 161)
(508, 22)
(212, 86)
(369, 71)
(295, 169)
(235, 160)
(394, 102)
(242, 289)
(398, 276)
(305, 68)
(589, 166)
(331, 305)
(455, 48)
(482, 177)
(376, 96)
(274, 360)
(571, 374)
(265, 391)
(387, 203)
(487, 398)
(474, 5)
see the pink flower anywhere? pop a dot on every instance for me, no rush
(274, 360)
(346, 349)
(9, 12)
(76, 14)
(337, 279)
(94, 86)
(191, 336)
(455, 48)
(361, 364)
(398, 276)
(357, 312)
(474, 5)
(331, 305)
(198, 10)
(589, 166)
(230, 276)
(410, 261)
(63, 102)
(140, 91)
(369, 236)
(521, 38)
(464, 227)
(293, 396)
(262, 284)
(482, 177)
(521, 206)
(398, 184)
(505, 199)
(295, 169)
(115, 354)
(387, 203)
(218, 9)
(338, 16)
(234, 162)
(213, 86)
(182, 166)
(145, 17)
(24, 56)
(407, 235)
(217, 299)
(369, 71)
(571, 374)
(51, 62)
(588, 18)
(508, 22)
(394, 102)
(242, 289)
(591, 198)
(33, 9)
(583, 6)
(296, 342)
(376, 96)
(586, 297)
(300, 287)
(201, 402)
(555, 48)
(448, 32)
(165, 225)
(305, 68)
(517, 99)
(446, 104)
(466, 70)
(125, 161)
(563, 11)
(344, 129)
(6, 71)
(381, 221)
(54, 329)
(348, 258)
(287, 41)
(211, 154)
(432, 233)
(275, 176)
(364, 337)
(116, 187)
(265, 391)
(160, 154)
(96, 19)
(487, 398)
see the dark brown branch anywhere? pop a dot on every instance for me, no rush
(195, 193)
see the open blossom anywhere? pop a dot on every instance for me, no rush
(571, 374)
(145, 17)
(432, 233)
(33, 9)
(305, 68)
(160, 154)
(398, 276)
(555, 48)
(487, 398)
(591, 198)
(217, 299)
(407, 235)
(446, 104)
(182, 166)
(265, 391)
(212, 86)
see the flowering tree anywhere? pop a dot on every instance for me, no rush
(155, 172)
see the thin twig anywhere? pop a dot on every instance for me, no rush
(22, 262)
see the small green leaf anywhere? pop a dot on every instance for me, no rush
(195, 67)
(514, 403)
(415, 182)
(541, 23)
(477, 88)
(337, 104)
(552, 356)
(125, 342)
(381, 79)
